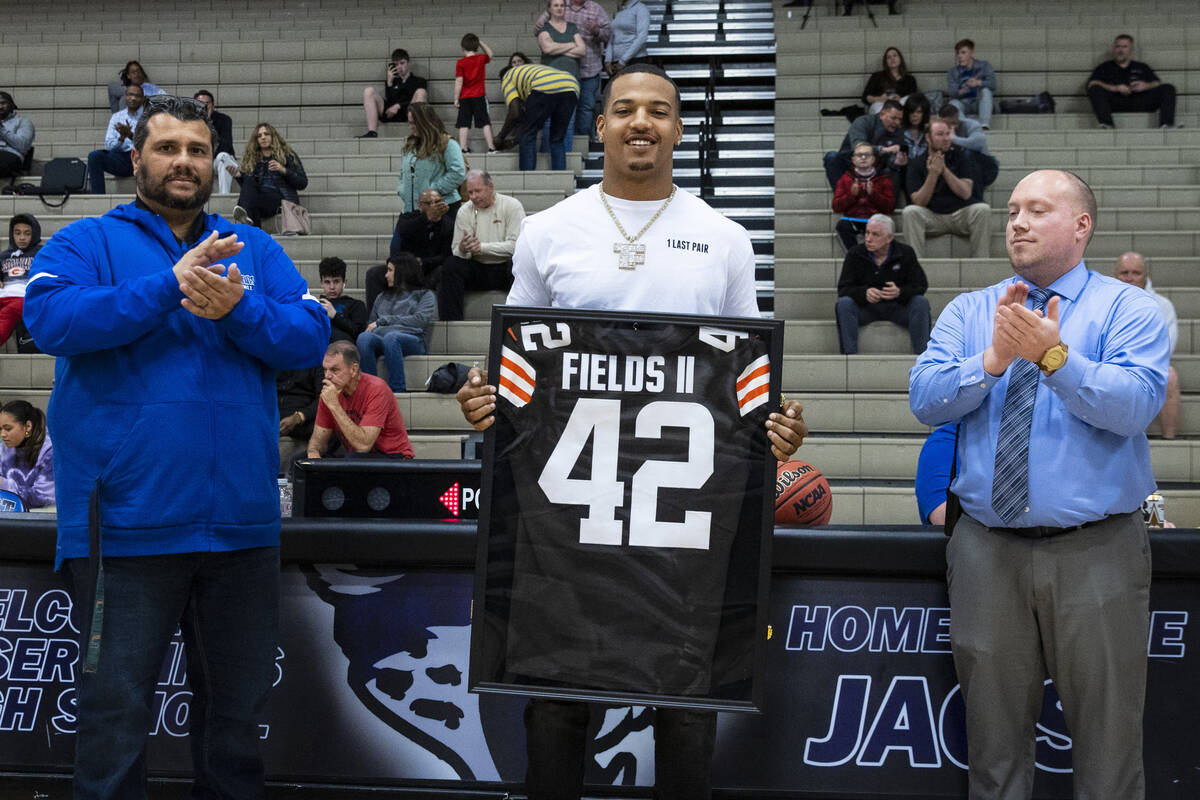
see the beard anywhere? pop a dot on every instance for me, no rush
(153, 187)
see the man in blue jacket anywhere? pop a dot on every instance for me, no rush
(165, 428)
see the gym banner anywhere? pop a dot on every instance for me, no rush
(371, 688)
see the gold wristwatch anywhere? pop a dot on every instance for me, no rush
(1052, 359)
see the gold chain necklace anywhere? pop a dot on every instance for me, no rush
(630, 254)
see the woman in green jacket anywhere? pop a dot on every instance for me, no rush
(431, 160)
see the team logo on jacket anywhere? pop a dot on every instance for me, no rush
(248, 283)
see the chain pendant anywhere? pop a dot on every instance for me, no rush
(630, 256)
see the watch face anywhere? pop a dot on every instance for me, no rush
(1054, 358)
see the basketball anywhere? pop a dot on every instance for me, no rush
(802, 495)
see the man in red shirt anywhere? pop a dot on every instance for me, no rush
(361, 408)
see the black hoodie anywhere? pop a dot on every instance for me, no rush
(15, 264)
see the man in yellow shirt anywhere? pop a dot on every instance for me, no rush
(535, 93)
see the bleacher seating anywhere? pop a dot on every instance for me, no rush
(1146, 180)
(303, 68)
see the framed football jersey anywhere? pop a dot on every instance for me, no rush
(628, 507)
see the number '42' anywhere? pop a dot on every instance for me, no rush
(603, 493)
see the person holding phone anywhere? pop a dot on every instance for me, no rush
(401, 87)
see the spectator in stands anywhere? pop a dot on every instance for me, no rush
(431, 159)
(132, 75)
(485, 234)
(358, 407)
(1122, 84)
(965, 132)
(118, 142)
(861, 193)
(16, 138)
(562, 48)
(427, 233)
(534, 93)
(1132, 268)
(893, 82)
(225, 164)
(27, 457)
(470, 91)
(269, 173)
(401, 89)
(946, 195)
(401, 320)
(596, 29)
(881, 131)
(933, 474)
(630, 32)
(347, 315)
(882, 280)
(24, 241)
(559, 39)
(297, 391)
(971, 83)
(915, 123)
(515, 60)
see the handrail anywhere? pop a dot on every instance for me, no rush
(707, 143)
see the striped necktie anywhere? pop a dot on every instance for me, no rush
(1010, 481)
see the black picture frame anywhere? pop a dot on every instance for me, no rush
(738, 662)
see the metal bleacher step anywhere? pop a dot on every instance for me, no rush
(817, 303)
(969, 273)
(1105, 245)
(893, 503)
(731, 94)
(683, 73)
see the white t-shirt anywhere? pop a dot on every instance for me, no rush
(696, 262)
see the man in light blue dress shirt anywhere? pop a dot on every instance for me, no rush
(115, 158)
(1058, 581)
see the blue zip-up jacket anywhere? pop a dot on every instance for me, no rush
(173, 417)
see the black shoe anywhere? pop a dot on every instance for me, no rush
(368, 135)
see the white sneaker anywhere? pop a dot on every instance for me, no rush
(240, 216)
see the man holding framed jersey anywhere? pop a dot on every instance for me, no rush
(633, 243)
